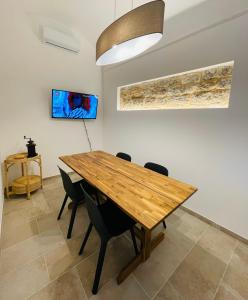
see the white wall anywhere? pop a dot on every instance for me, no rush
(29, 70)
(1, 200)
(206, 148)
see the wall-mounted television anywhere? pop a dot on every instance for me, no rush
(73, 105)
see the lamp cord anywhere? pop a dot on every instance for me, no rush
(87, 135)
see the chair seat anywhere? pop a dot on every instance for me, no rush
(115, 220)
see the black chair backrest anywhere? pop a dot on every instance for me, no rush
(96, 216)
(157, 168)
(124, 156)
(68, 186)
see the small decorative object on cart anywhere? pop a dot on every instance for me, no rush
(31, 147)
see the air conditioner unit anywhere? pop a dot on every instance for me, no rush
(60, 39)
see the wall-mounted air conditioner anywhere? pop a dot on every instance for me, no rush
(60, 39)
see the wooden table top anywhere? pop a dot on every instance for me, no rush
(144, 195)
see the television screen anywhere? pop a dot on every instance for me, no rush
(71, 105)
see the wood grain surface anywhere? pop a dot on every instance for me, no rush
(144, 195)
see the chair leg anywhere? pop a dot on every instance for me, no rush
(87, 234)
(97, 198)
(62, 207)
(99, 266)
(164, 224)
(134, 241)
(73, 214)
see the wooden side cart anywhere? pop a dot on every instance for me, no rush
(26, 183)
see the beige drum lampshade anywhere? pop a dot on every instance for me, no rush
(131, 34)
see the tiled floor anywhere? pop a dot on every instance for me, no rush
(195, 260)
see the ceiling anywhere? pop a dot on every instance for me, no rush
(172, 7)
(103, 11)
(91, 17)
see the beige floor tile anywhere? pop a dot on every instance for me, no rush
(236, 275)
(11, 235)
(59, 261)
(80, 225)
(198, 275)
(66, 287)
(66, 256)
(188, 264)
(24, 282)
(175, 217)
(163, 261)
(16, 203)
(159, 228)
(190, 226)
(55, 196)
(33, 208)
(52, 182)
(168, 293)
(226, 293)
(47, 222)
(49, 240)
(154, 281)
(40, 205)
(20, 254)
(128, 290)
(179, 211)
(75, 243)
(218, 243)
(129, 238)
(118, 254)
(21, 216)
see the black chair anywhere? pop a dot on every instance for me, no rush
(159, 169)
(109, 221)
(75, 192)
(124, 156)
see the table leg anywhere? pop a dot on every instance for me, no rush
(147, 245)
(128, 269)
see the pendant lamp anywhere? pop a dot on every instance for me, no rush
(131, 34)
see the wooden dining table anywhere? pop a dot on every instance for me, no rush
(146, 196)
